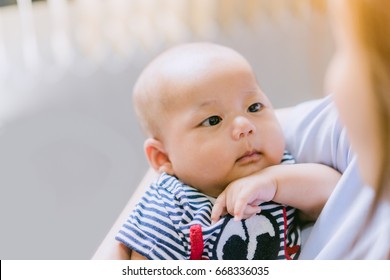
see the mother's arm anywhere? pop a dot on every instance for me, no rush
(314, 134)
(110, 249)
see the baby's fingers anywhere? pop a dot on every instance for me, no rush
(219, 208)
(247, 212)
(250, 211)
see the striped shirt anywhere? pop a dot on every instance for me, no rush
(160, 226)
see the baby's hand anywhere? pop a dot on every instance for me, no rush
(242, 197)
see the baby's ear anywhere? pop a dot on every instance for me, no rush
(157, 156)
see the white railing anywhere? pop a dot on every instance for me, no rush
(44, 41)
(112, 32)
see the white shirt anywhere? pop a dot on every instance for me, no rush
(313, 134)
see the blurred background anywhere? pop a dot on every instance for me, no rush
(71, 151)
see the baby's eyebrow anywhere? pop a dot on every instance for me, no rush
(203, 107)
(206, 103)
(251, 92)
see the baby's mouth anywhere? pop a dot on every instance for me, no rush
(249, 157)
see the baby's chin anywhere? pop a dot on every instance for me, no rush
(218, 186)
(248, 170)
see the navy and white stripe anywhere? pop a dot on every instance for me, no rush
(159, 226)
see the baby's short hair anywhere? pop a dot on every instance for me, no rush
(155, 91)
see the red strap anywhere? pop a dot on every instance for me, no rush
(288, 251)
(293, 250)
(196, 241)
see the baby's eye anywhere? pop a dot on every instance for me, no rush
(211, 121)
(255, 107)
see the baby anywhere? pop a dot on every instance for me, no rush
(209, 126)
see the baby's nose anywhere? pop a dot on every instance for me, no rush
(242, 128)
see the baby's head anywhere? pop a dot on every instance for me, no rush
(207, 120)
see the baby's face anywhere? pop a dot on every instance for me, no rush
(221, 127)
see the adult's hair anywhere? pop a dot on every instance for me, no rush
(371, 23)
